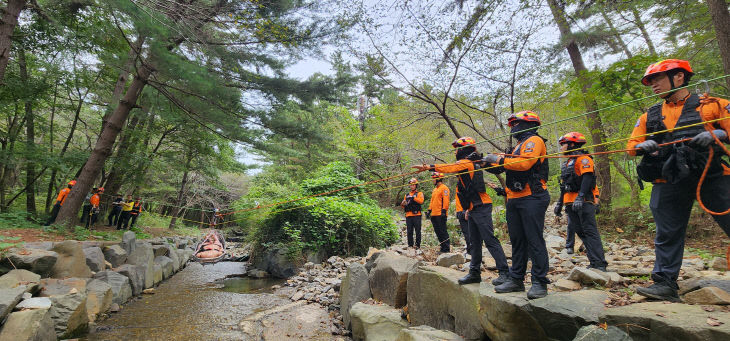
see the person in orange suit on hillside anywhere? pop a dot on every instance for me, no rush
(675, 169)
(412, 206)
(438, 210)
(60, 199)
(94, 201)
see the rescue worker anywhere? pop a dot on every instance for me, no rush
(116, 210)
(60, 199)
(94, 211)
(577, 188)
(472, 194)
(86, 211)
(675, 169)
(123, 221)
(412, 206)
(136, 210)
(438, 210)
(527, 201)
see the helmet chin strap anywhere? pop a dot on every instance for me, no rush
(673, 88)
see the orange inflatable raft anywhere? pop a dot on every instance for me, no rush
(211, 249)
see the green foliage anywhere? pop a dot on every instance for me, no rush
(17, 220)
(333, 224)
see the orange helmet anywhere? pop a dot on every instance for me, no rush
(437, 175)
(413, 181)
(464, 142)
(574, 137)
(664, 66)
(72, 183)
(101, 189)
(526, 116)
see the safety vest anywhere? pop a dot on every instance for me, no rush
(570, 181)
(137, 207)
(516, 180)
(469, 186)
(412, 205)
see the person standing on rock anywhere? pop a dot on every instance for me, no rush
(60, 199)
(674, 175)
(94, 211)
(579, 190)
(471, 193)
(438, 210)
(412, 206)
(527, 200)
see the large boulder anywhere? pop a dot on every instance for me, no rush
(68, 308)
(596, 333)
(121, 290)
(143, 256)
(115, 255)
(160, 250)
(182, 256)
(436, 299)
(34, 260)
(157, 277)
(166, 264)
(561, 315)
(354, 288)
(136, 275)
(94, 258)
(376, 322)
(507, 316)
(427, 333)
(21, 277)
(9, 298)
(277, 262)
(71, 261)
(172, 254)
(389, 278)
(129, 241)
(660, 321)
(99, 298)
(29, 325)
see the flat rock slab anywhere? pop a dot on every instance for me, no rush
(115, 255)
(34, 303)
(448, 259)
(376, 322)
(389, 277)
(596, 333)
(121, 290)
(660, 321)
(71, 261)
(34, 260)
(9, 298)
(16, 278)
(29, 325)
(708, 295)
(561, 315)
(426, 333)
(94, 258)
(305, 322)
(507, 316)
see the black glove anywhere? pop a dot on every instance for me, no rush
(428, 214)
(460, 215)
(648, 146)
(578, 203)
(598, 208)
(500, 191)
(558, 210)
(491, 159)
(705, 139)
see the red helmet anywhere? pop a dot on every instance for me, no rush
(574, 137)
(664, 66)
(413, 181)
(526, 116)
(437, 175)
(464, 142)
(72, 183)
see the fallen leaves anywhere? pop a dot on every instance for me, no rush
(713, 321)
(661, 315)
(619, 230)
(708, 308)
(603, 325)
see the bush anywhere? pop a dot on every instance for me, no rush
(335, 224)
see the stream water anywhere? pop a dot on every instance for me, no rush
(200, 302)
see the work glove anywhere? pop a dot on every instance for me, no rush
(428, 214)
(491, 159)
(578, 203)
(648, 146)
(558, 210)
(460, 215)
(704, 138)
(598, 208)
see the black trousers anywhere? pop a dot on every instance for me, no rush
(114, 216)
(54, 214)
(413, 225)
(439, 227)
(464, 225)
(482, 229)
(133, 220)
(570, 233)
(92, 219)
(671, 205)
(526, 222)
(123, 220)
(85, 213)
(583, 223)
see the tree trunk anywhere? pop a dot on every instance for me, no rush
(177, 210)
(593, 121)
(103, 148)
(616, 34)
(30, 167)
(644, 33)
(721, 21)
(7, 25)
(121, 82)
(54, 173)
(8, 146)
(119, 166)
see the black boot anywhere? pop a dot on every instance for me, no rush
(503, 277)
(472, 277)
(660, 291)
(602, 268)
(537, 290)
(511, 285)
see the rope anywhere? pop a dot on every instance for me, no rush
(704, 174)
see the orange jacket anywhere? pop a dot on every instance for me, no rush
(418, 198)
(583, 164)
(462, 165)
(530, 149)
(439, 200)
(62, 195)
(94, 200)
(712, 108)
